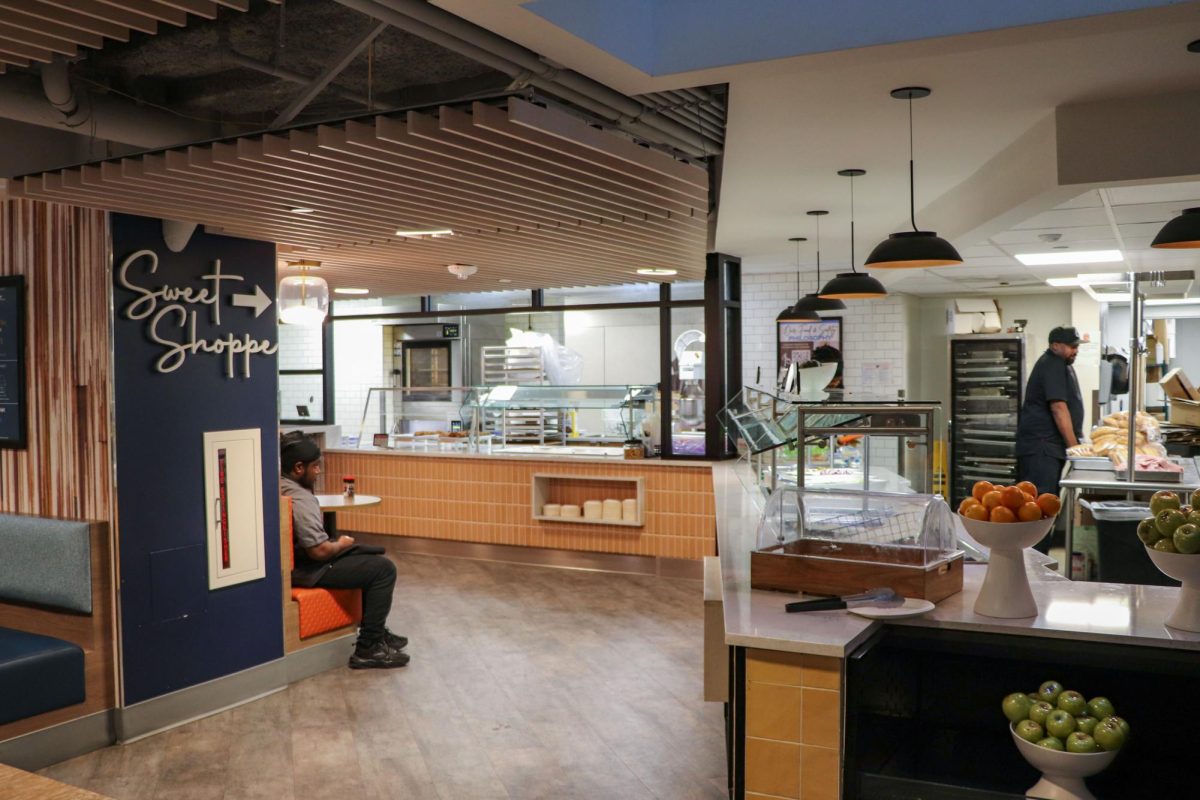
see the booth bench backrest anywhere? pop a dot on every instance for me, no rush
(46, 562)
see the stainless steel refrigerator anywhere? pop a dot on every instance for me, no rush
(987, 385)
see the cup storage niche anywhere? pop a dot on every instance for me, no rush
(591, 500)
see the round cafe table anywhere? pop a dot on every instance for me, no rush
(332, 503)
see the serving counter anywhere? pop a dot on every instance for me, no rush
(482, 499)
(829, 705)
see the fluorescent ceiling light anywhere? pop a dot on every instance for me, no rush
(1069, 257)
(1090, 279)
(302, 210)
(430, 232)
(351, 291)
(655, 271)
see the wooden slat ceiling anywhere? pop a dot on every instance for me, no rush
(37, 30)
(535, 197)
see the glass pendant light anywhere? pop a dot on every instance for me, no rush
(795, 313)
(852, 285)
(813, 301)
(303, 299)
(1181, 233)
(916, 248)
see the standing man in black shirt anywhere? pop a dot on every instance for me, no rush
(1052, 417)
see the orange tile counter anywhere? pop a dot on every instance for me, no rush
(489, 500)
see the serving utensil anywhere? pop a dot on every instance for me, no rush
(872, 597)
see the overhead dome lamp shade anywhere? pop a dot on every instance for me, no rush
(913, 249)
(853, 286)
(797, 314)
(1181, 233)
(303, 300)
(813, 301)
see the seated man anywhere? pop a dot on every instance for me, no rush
(338, 563)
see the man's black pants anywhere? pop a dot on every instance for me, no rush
(1044, 472)
(376, 576)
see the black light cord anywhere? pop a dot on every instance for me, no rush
(912, 197)
(852, 267)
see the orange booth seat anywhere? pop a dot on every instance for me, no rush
(315, 612)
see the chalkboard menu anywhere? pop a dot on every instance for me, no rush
(12, 361)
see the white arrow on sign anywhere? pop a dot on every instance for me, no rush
(259, 301)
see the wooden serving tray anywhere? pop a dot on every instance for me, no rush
(816, 566)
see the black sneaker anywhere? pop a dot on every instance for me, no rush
(395, 641)
(377, 655)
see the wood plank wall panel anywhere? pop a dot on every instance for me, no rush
(488, 501)
(66, 469)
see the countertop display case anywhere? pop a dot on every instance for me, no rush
(591, 419)
(408, 417)
(987, 376)
(845, 542)
(850, 443)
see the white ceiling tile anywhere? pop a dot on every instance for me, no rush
(1089, 199)
(1070, 236)
(1149, 212)
(1155, 193)
(1065, 218)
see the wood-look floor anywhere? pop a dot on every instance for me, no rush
(525, 682)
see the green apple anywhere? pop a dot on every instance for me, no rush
(1193, 516)
(1147, 531)
(1109, 736)
(1030, 731)
(1162, 500)
(1049, 691)
(1072, 702)
(1101, 707)
(1051, 743)
(1086, 723)
(1118, 721)
(1016, 707)
(1168, 520)
(1165, 545)
(1080, 742)
(1194, 500)
(1039, 711)
(1033, 697)
(1187, 538)
(1060, 723)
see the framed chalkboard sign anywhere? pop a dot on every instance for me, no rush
(12, 361)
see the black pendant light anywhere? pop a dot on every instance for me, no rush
(813, 301)
(916, 248)
(852, 285)
(795, 313)
(1181, 233)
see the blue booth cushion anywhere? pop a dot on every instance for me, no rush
(47, 562)
(37, 674)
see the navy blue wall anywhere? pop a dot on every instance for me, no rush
(175, 632)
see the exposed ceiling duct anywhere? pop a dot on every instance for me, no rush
(525, 66)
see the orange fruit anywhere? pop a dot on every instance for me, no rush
(967, 503)
(1003, 514)
(977, 512)
(980, 489)
(1049, 503)
(991, 500)
(1029, 512)
(1028, 488)
(1012, 497)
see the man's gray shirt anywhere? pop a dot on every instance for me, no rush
(308, 530)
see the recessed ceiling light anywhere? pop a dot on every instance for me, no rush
(657, 271)
(302, 210)
(1090, 279)
(429, 232)
(305, 265)
(351, 291)
(505, 280)
(1076, 257)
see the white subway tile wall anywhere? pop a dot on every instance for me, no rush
(358, 366)
(299, 348)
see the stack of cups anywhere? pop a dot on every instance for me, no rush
(629, 510)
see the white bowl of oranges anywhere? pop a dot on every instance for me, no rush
(1007, 519)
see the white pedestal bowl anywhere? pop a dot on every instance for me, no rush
(1185, 569)
(1005, 593)
(1062, 773)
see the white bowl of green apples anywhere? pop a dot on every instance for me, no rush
(1064, 736)
(1172, 539)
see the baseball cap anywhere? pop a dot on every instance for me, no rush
(1065, 336)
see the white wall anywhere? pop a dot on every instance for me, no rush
(358, 366)
(873, 332)
(299, 348)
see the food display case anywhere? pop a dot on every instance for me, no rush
(987, 377)
(411, 417)
(853, 443)
(569, 420)
(844, 542)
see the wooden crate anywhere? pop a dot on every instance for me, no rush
(816, 566)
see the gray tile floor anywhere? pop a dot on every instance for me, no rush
(525, 682)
